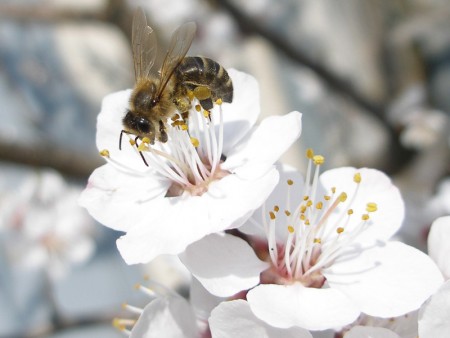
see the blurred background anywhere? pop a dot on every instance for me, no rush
(372, 79)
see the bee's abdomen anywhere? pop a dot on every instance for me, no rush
(200, 71)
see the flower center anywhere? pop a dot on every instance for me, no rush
(312, 242)
(191, 157)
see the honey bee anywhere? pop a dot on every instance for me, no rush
(157, 97)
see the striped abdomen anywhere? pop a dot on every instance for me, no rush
(199, 71)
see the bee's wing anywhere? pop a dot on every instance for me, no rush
(179, 45)
(144, 45)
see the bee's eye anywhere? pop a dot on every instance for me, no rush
(143, 125)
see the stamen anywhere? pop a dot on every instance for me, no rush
(121, 324)
(371, 207)
(133, 309)
(146, 290)
(195, 142)
(104, 153)
(318, 160)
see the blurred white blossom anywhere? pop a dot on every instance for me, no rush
(42, 226)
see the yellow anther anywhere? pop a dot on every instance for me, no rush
(357, 178)
(117, 323)
(195, 142)
(132, 142)
(137, 286)
(290, 182)
(276, 208)
(190, 95)
(272, 215)
(219, 101)
(303, 209)
(104, 153)
(319, 205)
(302, 217)
(146, 140)
(333, 190)
(206, 113)
(198, 107)
(290, 229)
(340, 230)
(287, 212)
(365, 217)
(184, 127)
(317, 240)
(309, 153)
(305, 198)
(342, 197)
(371, 207)
(326, 197)
(350, 212)
(309, 203)
(307, 222)
(318, 159)
(143, 147)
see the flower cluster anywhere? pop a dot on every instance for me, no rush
(271, 253)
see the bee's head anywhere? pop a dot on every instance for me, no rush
(139, 125)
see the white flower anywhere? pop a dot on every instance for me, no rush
(170, 315)
(234, 319)
(198, 183)
(42, 226)
(434, 319)
(327, 241)
(439, 244)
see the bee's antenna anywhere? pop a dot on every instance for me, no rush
(120, 139)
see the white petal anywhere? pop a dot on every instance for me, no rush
(120, 200)
(224, 264)
(386, 281)
(370, 332)
(294, 305)
(239, 116)
(186, 219)
(434, 318)
(439, 244)
(266, 143)
(234, 319)
(202, 301)
(375, 187)
(166, 317)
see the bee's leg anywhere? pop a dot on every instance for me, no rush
(207, 104)
(162, 132)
